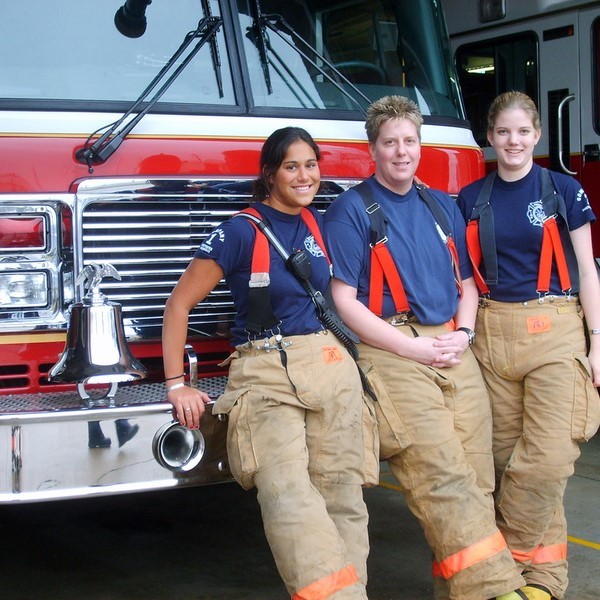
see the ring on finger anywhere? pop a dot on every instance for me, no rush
(188, 409)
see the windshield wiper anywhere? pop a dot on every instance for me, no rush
(104, 146)
(278, 25)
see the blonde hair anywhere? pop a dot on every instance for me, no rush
(510, 101)
(388, 108)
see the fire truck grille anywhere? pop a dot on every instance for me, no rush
(150, 235)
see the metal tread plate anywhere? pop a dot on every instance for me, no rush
(129, 395)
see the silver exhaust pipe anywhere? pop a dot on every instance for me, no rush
(178, 448)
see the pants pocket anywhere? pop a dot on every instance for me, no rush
(236, 404)
(586, 402)
(393, 435)
(370, 444)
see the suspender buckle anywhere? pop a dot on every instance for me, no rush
(279, 343)
(258, 280)
(441, 233)
(372, 208)
(383, 240)
(567, 294)
(402, 318)
(542, 297)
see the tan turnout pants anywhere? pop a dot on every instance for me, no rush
(533, 358)
(435, 433)
(296, 433)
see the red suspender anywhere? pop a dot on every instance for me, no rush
(260, 254)
(311, 223)
(552, 245)
(383, 266)
(455, 263)
(474, 251)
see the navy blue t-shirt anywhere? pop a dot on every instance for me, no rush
(231, 246)
(423, 260)
(518, 226)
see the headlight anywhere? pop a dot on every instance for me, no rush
(23, 289)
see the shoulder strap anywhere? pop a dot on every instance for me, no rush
(382, 264)
(439, 216)
(378, 220)
(441, 220)
(482, 234)
(260, 311)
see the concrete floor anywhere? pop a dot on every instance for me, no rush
(208, 544)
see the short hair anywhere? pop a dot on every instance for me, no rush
(388, 108)
(272, 154)
(511, 101)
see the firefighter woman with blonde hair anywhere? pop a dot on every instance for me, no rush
(530, 242)
(294, 395)
(404, 284)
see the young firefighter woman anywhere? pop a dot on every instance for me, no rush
(538, 281)
(294, 395)
(398, 286)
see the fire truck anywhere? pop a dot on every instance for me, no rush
(549, 49)
(127, 133)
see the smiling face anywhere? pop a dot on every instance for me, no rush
(296, 181)
(396, 152)
(514, 138)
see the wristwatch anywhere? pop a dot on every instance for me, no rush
(470, 334)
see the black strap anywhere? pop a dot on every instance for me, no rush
(260, 312)
(439, 216)
(482, 211)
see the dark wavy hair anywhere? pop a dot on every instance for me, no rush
(272, 154)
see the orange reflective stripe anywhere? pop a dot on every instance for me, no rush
(541, 554)
(549, 554)
(522, 556)
(328, 585)
(470, 556)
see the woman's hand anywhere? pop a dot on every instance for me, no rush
(428, 351)
(455, 341)
(188, 405)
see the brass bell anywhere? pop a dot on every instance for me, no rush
(96, 349)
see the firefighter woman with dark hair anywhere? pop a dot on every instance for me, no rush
(529, 238)
(294, 395)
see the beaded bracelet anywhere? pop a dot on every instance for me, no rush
(174, 377)
(175, 386)
(595, 331)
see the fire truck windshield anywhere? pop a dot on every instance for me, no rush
(268, 58)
